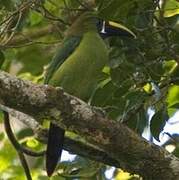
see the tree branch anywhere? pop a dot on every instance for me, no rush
(133, 153)
(29, 37)
(72, 145)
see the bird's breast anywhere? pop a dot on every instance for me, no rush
(79, 74)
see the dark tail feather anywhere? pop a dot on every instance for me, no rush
(54, 148)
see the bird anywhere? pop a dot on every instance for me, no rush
(77, 68)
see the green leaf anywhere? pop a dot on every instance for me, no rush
(158, 122)
(172, 99)
(121, 75)
(32, 143)
(171, 8)
(173, 95)
(138, 121)
(170, 66)
(175, 106)
(35, 18)
(135, 97)
(103, 93)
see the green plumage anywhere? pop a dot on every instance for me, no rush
(78, 63)
(79, 74)
(77, 68)
(65, 50)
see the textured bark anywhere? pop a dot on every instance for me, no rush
(121, 144)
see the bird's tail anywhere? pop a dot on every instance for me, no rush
(54, 148)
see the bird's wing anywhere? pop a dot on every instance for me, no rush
(56, 134)
(67, 48)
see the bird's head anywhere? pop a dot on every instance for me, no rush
(90, 21)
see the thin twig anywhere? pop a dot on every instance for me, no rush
(15, 142)
(16, 145)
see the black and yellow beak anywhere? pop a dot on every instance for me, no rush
(110, 28)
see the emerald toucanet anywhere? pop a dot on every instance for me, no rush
(77, 67)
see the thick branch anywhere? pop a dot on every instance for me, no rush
(116, 140)
(72, 145)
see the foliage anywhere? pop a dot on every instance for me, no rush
(142, 73)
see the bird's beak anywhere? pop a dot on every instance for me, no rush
(110, 28)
